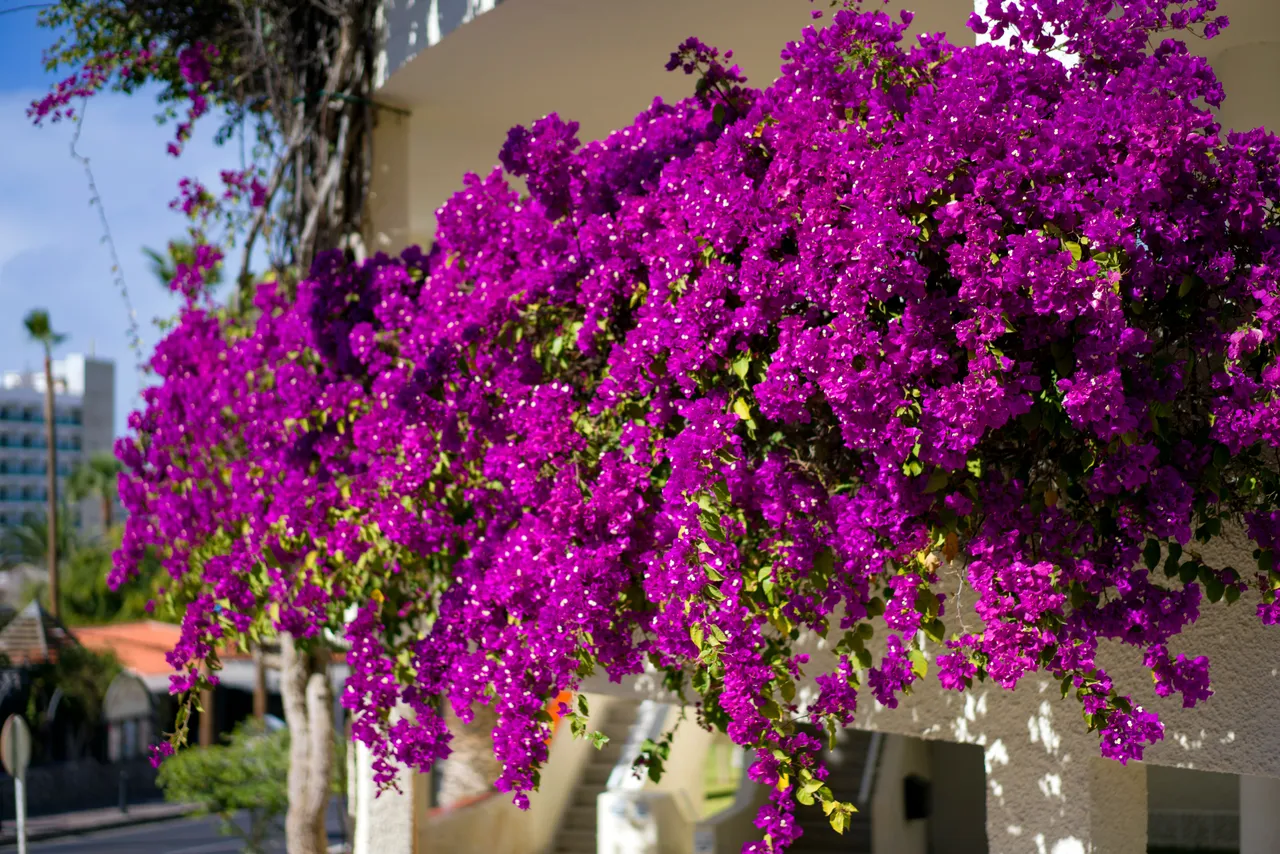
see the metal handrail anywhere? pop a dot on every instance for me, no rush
(870, 770)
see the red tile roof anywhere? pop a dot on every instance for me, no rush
(140, 646)
(34, 636)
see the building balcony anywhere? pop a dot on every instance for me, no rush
(11, 417)
(462, 72)
(14, 443)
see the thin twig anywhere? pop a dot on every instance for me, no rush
(117, 271)
(25, 7)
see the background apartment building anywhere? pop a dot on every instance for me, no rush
(84, 408)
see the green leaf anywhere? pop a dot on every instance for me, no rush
(812, 787)
(1188, 571)
(919, 664)
(788, 690)
(1151, 554)
(696, 635)
(824, 563)
(934, 630)
(710, 522)
(741, 365)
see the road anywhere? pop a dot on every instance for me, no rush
(177, 836)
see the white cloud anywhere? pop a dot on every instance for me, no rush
(51, 250)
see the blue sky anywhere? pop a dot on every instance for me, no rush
(51, 251)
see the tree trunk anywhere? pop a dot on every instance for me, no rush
(308, 711)
(259, 684)
(206, 713)
(106, 511)
(51, 487)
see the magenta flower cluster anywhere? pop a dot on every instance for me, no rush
(766, 362)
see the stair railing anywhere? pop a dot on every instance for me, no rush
(651, 717)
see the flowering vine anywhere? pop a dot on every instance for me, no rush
(762, 363)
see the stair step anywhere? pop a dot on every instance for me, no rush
(578, 817)
(608, 755)
(577, 831)
(577, 841)
(596, 774)
(585, 796)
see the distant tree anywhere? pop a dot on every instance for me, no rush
(245, 775)
(27, 543)
(84, 594)
(67, 696)
(87, 599)
(40, 329)
(96, 477)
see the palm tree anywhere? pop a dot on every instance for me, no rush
(96, 477)
(27, 543)
(41, 332)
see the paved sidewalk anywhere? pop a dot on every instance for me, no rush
(87, 821)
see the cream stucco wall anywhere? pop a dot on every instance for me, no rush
(597, 62)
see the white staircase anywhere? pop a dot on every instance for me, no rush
(577, 832)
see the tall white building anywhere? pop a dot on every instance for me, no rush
(84, 412)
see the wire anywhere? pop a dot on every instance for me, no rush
(26, 6)
(117, 271)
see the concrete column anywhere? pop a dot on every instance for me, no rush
(386, 822)
(1046, 798)
(1117, 806)
(1259, 814)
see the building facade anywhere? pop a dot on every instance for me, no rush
(84, 413)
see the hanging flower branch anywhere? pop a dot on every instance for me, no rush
(766, 362)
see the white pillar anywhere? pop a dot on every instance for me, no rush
(387, 822)
(1043, 799)
(1259, 815)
